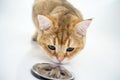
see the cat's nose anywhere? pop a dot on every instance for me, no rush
(60, 59)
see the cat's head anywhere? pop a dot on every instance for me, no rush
(62, 37)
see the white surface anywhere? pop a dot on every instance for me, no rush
(100, 60)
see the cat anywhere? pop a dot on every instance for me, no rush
(60, 29)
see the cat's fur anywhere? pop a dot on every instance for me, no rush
(59, 24)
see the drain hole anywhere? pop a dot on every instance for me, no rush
(47, 69)
(63, 74)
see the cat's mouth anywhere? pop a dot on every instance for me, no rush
(56, 61)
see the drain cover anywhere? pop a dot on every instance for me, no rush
(46, 71)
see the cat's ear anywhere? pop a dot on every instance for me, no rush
(81, 27)
(44, 22)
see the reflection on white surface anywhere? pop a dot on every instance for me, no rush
(100, 60)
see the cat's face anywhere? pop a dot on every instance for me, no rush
(60, 39)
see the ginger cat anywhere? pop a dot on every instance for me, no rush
(60, 29)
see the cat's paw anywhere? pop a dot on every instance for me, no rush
(34, 37)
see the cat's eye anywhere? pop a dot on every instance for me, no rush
(70, 49)
(51, 47)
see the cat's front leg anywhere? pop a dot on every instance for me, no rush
(34, 37)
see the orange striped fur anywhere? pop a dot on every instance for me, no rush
(62, 32)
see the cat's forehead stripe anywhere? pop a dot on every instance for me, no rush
(62, 37)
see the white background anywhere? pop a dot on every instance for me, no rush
(100, 59)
